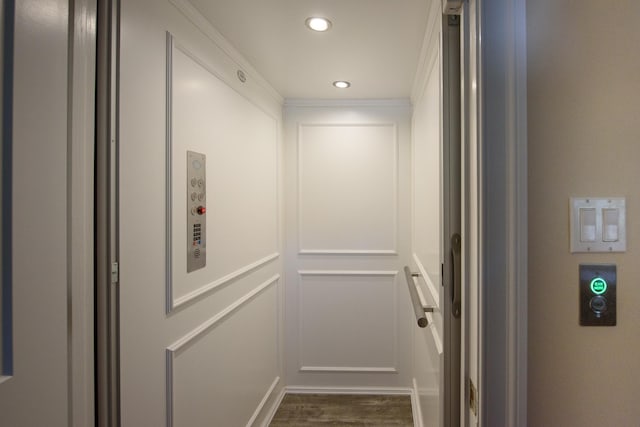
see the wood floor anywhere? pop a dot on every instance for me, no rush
(309, 410)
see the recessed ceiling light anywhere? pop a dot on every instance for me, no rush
(341, 84)
(318, 24)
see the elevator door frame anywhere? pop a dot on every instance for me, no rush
(451, 198)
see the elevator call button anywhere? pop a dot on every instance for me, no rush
(598, 294)
(598, 286)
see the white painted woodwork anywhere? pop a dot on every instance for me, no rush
(38, 392)
(426, 176)
(471, 354)
(338, 167)
(427, 222)
(215, 359)
(426, 179)
(340, 333)
(347, 235)
(427, 379)
(239, 141)
(210, 369)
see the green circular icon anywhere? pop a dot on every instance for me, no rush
(598, 286)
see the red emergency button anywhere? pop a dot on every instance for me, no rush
(201, 210)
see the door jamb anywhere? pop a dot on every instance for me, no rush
(7, 14)
(451, 198)
(80, 209)
(503, 150)
(107, 361)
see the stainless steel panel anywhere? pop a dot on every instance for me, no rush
(196, 211)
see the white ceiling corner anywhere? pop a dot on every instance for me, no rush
(374, 44)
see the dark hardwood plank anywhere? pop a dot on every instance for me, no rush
(310, 410)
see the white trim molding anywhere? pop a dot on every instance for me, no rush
(263, 402)
(200, 22)
(173, 301)
(433, 288)
(206, 326)
(177, 347)
(347, 252)
(415, 405)
(272, 409)
(305, 368)
(351, 369)
(348, 272)
(201, 291)
(429, 52)
(393, 250)
(346, 103)
(437, 340)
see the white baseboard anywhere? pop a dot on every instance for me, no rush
(415, 405)
(270, 412)
(349, 390)
(274, 408)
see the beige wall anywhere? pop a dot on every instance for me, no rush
(584, 140)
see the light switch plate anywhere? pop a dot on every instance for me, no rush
(598, 224)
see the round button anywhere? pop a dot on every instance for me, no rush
(598, 304)
(200, 182)
(598, 286)
(202, 210)
(193, 196)
(193, 182)
(201, 196)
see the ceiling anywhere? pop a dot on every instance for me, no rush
(374, 44)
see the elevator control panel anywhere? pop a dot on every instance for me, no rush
(598, 294)
(196, 211)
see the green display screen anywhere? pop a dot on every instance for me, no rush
(598, 286)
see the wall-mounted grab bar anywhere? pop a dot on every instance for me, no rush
(418, 308)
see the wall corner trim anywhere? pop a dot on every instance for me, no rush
(429, 51)
(193, 15)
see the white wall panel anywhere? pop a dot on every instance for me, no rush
(427, 377)
(219, 375)
(347, 321)
(347, 215)
(237, 125)
(347, 188)
(426, 220)
(426, 174)
(240, 143)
